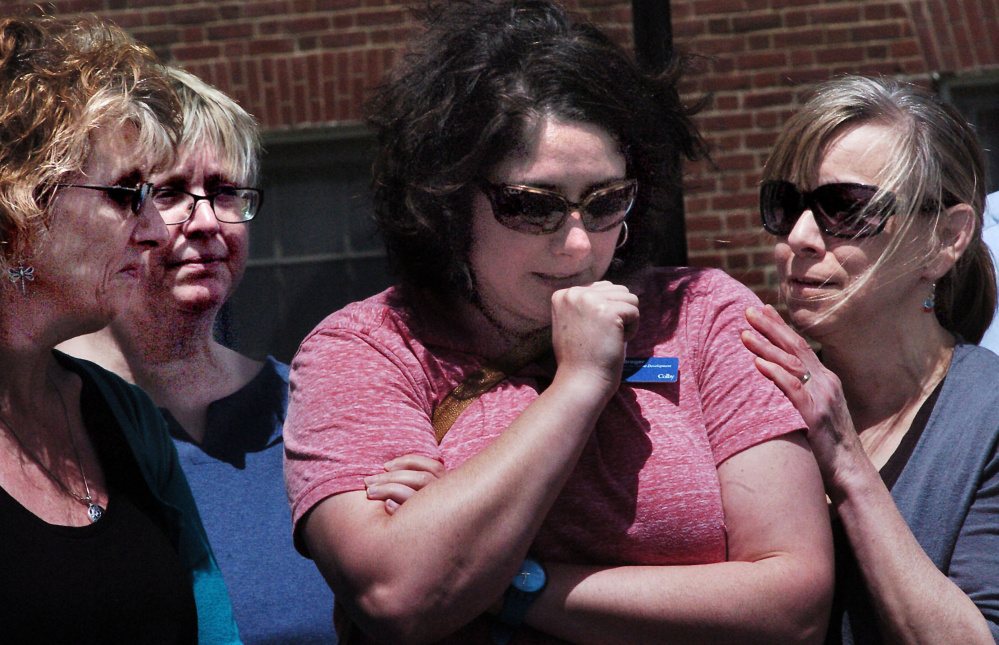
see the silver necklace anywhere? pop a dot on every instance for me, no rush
(94, 510)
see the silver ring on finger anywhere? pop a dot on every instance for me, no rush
(804, 378)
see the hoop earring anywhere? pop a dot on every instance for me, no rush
(624, 236)
(22, 274)
(931, 299)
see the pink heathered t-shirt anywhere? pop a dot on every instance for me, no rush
(365, 382)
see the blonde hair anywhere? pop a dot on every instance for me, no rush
(60, 84)
(212, 118)
(936, 162)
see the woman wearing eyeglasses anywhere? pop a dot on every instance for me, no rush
(875, 190)
(225, 411)
(523, 171)
(102, 540)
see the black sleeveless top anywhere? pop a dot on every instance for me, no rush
(117, 581)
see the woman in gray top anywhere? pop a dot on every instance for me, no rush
(875, 191)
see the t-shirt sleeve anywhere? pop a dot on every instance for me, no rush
(976, 553)
(741, 407)
(354, 405)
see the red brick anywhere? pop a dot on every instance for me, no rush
(833, 15)
(196, 16)
(230, 31)
(708, 7)
(761, 60)
(756, 22)
(305, 25)
(343, 40)
(884, 31)
(842, 54)
(735, 202)
(766, 99)
(377, 18)
(271, 46)
(800, 38)
(195, 52)
(265, 9)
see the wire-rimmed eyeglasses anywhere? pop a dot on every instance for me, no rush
(233, 205)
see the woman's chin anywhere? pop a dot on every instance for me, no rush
(198, 299)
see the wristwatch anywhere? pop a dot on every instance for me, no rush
(526, 586)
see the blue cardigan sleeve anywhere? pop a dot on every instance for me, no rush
(156, 455)
(948, 493)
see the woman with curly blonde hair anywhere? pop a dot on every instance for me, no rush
(102, 539)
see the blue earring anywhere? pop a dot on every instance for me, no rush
(931, 299)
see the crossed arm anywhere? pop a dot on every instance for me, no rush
(775, 588)
(447, 554)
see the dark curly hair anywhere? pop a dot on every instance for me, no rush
(468, 92)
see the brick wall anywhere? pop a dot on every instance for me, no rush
(298, 63)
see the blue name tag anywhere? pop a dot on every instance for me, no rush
(658, 369)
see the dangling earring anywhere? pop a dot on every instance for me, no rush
(22, 273)
(624, 235)
(931, 299)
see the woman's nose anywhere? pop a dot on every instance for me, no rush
(202, 218)
(806, 238)
(573, 239)
(150, 230)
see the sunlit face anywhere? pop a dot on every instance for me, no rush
(204, 258)
(817, 270)
(89, 259)
(516, 273)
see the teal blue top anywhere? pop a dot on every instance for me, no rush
(145, 429)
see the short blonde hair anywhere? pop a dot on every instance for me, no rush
(62, 82)
(212, 118)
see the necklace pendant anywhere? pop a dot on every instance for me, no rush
(95, 512)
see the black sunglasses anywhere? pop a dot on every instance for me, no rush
(840, 210)
(122, 196)
(538, 211)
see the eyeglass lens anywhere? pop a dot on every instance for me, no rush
(537, 210)
(122, 196)
(232, 205)
(840, 209)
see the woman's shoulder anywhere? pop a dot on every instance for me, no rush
(974, 374)
(365, 315)
(139, 418)
(383, 319)
(671, 289)
(967, 410)
(121, 394)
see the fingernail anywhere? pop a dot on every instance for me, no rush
(371, 490)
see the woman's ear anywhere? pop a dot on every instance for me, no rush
(955, 230)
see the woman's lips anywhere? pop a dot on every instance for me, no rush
(200, 260)
(809, 286)
(557, 282)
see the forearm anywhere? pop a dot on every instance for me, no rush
(774, 600)
(776, 586)
(914, 601)
(451, 550)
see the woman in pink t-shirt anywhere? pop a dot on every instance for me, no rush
(525, 168)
